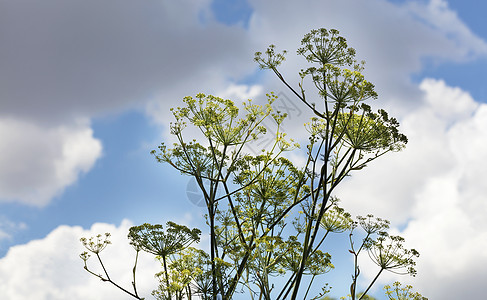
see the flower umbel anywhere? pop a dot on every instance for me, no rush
(96, 244)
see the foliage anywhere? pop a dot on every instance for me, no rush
(268, 218)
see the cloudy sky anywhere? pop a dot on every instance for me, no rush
(85, 92)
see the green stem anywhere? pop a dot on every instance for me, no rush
(372, 283)
(167, 276)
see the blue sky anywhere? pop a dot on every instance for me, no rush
(85, 92)
(455, 74)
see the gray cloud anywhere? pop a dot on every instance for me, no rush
(64, 59)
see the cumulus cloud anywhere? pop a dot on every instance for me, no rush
(50, 268)
(241, 92)
(450, 104)
(429, 153)
(435, 188)
(37, 163)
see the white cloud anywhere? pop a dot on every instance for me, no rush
(437, 189)
(449, 103)
(50, 268)
(241, 92)
(37, 163)
(428, 154)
